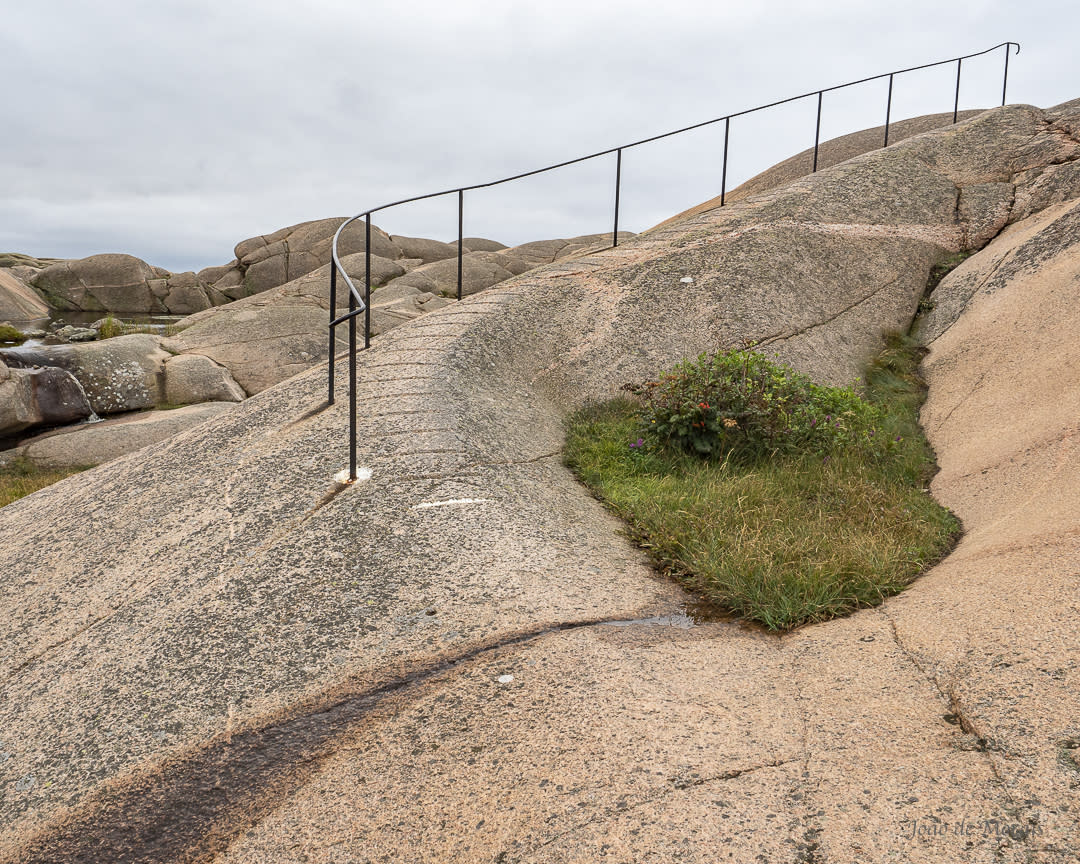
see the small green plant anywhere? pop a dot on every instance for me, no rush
(110, 328)
(11, 335)
(20, 477)
(940, 271)
(739, 404)
(773, 520)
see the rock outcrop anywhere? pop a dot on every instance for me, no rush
(39, 397)
(831, 152)
(268, 337)
(19, 302)
(101, 283)
(440, 658)
(97, 443)
(121, 374)
(132, 373)
(192, 378)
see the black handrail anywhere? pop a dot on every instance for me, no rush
(358, 304)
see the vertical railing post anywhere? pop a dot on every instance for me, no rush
(817, 131)
(956, 101)
(367, 284)
(460, 237)
(333, 314)
(352, 386)
(888, 113)
(723, 171)
(1005, 80)
(618, 184)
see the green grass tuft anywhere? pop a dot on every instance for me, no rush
(784, 539)
(20, 477)
(11, 335)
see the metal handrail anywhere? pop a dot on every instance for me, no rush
(358, 304)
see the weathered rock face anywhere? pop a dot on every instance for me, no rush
(424, 250)
(265, 338)
(97, 443)
(1030, 245)
(39, 397)
(252, 621)
(18, 302)
(480, 244)
(121, 374)
(193, 378)
(831, 152)
(100, 283)
(271, 260)
(125, 284)
(480, 270)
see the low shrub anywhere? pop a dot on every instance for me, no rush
(740, 404)
(808, 503)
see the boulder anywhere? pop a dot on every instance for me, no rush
(210, 275)
(71, 333)
(268, 337)
(426, 250)
(229, 285)
(480, 244)
(383, 270)
(39, 397)
(100, 283)
(18, 301)
(193, 378)
(480, 270)
(392, 311)
(120, 374)
(185, 294)
(95, 443)
(274, 259)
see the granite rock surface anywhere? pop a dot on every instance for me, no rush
(216, 652)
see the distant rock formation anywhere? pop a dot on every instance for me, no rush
(18, 302)
(282, 331)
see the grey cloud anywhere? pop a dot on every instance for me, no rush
(172, 130)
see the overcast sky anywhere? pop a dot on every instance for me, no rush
(173, 129)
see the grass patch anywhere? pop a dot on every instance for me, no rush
(111, 327)
(21, 477)
(786, 537)
(11, 335)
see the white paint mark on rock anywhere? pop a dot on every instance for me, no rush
(361, 475)
(686, 280)
(453, 502)
(506, 679)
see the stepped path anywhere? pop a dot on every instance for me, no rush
(213, 652)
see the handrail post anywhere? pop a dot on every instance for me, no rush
(352, 387)
(1005, 79)
(817, 131)
(367, 290)
(723, 171)
(460, 238)
(618, 184)
(956, 101)
(333, 309)
(888, 112)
